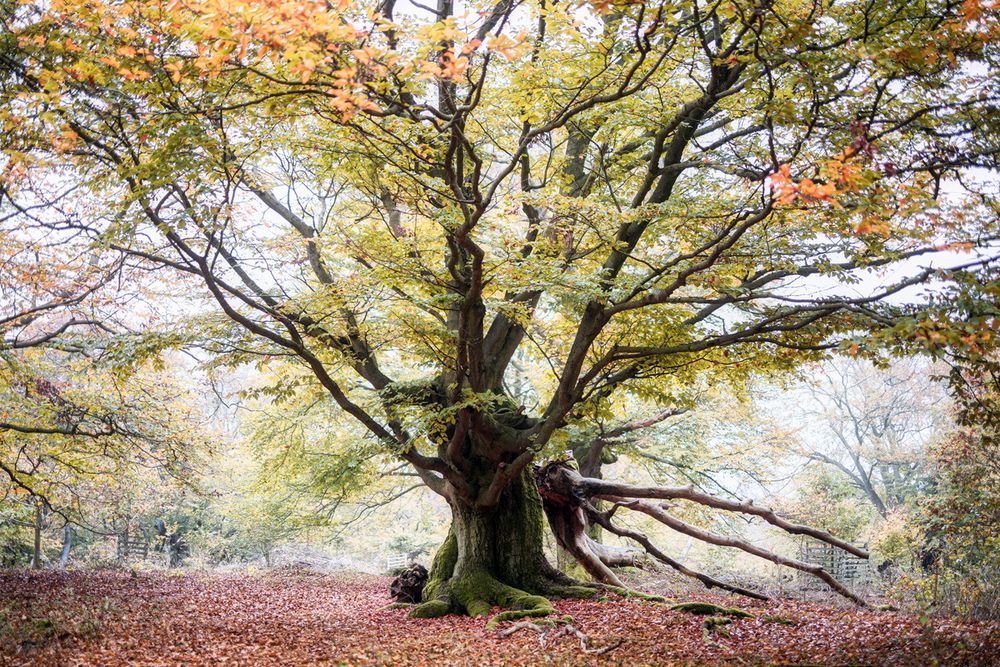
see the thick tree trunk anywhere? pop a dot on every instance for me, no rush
(494, 557)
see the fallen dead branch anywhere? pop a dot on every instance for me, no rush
(546, 633)
(569, 500)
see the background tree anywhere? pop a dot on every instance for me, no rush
(90, 419)
(873, 426)
(958, 519)
(90, 448)
(636, 195)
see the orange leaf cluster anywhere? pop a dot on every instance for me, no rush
(288, 42)
(786, 190)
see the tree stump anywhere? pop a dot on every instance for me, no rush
(409, 585)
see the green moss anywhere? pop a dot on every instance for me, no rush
(476, 590)
(585, 592)
(569, 565)
(697, 608)
(629, 593)
(397, 605)
(707, 608)
(442, 567)
(555, 622)
(713, 621)
(513, 615)
(431, 609)
(475, 586)
(45, 627)
(478, 608)
(530, 602)
(432, 590)
(518, 525)
(718, 624)
(778, 619)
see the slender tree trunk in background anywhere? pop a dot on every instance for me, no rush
(36, 559)
(67, 545)
(119, 543)
(869, 490)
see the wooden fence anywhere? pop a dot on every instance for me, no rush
(394, 561)
(845, 567)
(132, 543)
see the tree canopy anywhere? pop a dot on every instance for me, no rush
(414, 209)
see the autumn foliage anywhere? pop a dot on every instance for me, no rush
(477, 233)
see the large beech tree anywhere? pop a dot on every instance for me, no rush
(628, 197)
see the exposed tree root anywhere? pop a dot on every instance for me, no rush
(398, 605)
(590, 589)
(581, 591)
(540, 627)
(476, 593)
(626, 592)
(707, 609)
(705, 536)
(568, 516)
(568, 523)
(604, 520)
(515, 614)
(613, 557)
(431, 609)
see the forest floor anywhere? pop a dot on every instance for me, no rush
(305, 618)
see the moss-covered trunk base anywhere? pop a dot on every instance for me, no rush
(494, 558)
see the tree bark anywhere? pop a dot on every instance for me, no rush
(67, 545)
(36, 558)
(570, 524)
(494, 557)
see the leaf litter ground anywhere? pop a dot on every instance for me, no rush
(305, 618)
